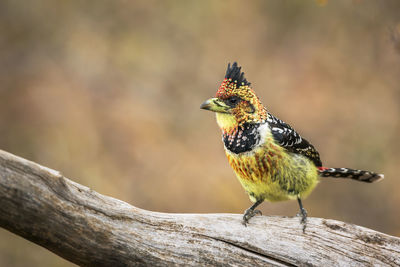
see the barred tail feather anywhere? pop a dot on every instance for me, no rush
(359, 175)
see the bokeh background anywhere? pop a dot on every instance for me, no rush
(108, 93)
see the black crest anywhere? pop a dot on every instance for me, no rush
(236, 74)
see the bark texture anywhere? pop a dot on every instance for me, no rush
(89, 229)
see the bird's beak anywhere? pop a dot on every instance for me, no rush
(215, 105)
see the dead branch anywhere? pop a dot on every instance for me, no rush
(89, 229)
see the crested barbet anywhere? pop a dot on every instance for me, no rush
(270, 159)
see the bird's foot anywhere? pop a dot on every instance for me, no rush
(303, 220)
(248, 214)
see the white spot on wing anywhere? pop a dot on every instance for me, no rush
(264, 131)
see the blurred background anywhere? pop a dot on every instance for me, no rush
(108, 93)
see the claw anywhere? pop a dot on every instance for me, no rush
(248, 214)
(303, 214)
(303, 220)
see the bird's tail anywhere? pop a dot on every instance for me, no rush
(359, 175)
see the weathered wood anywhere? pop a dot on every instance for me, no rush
(88, 228)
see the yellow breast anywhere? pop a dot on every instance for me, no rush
(270, 172)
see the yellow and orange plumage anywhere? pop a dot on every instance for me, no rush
(271, 160)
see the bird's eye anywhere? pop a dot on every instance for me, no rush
(232, 101)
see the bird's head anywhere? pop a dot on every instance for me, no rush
(235, 102)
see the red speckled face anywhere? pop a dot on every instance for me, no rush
(248, 107)
(226, 89)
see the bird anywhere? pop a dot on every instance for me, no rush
(271, 160)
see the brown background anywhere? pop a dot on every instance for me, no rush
(108, 93)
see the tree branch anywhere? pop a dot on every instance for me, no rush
(88, 228)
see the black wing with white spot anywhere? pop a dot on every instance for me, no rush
(288, 138)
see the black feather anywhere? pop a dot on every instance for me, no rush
(236, 74)
(288, 138)
(242, 140)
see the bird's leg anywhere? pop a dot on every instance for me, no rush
(303, 214)
(251, 212)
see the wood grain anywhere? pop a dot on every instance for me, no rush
(91, 229)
